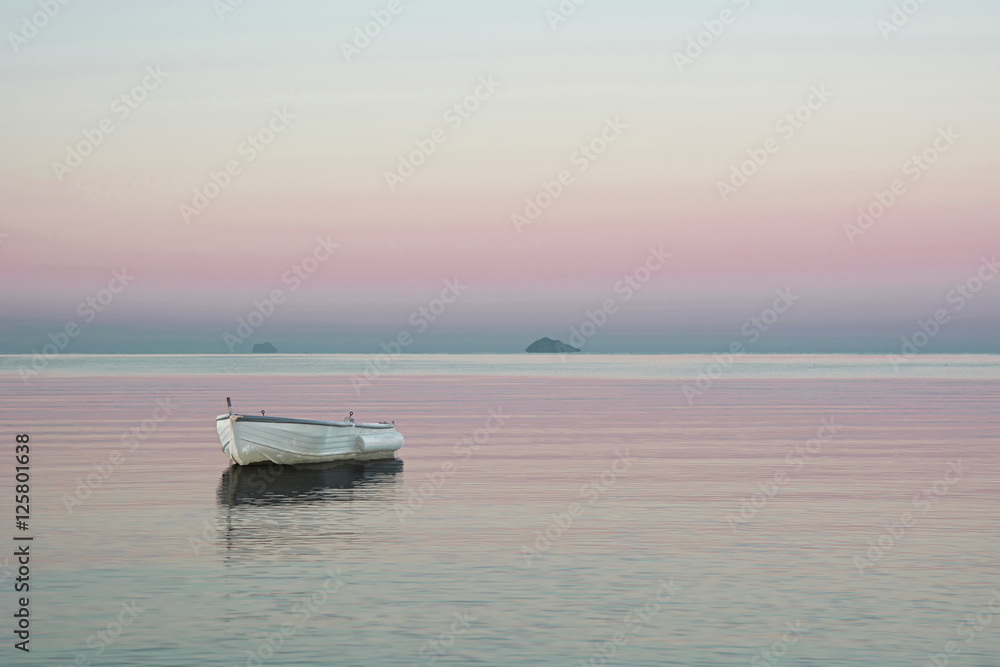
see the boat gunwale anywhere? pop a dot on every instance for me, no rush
(311, 422)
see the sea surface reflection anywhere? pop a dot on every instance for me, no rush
(303, 512)
(526, 532)
(276, 485)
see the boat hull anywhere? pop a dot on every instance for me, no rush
(247, 440)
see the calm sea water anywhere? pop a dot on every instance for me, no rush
(787, 510)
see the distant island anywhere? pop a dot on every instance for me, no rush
(549, 346)
(264, 348)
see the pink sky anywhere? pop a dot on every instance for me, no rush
(656, 185)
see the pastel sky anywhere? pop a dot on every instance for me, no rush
(889, 94)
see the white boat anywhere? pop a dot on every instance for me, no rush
(248, 439)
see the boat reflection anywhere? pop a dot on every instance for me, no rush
(276, 485)
(305, 512)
